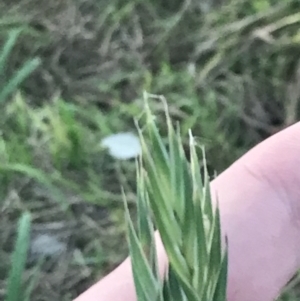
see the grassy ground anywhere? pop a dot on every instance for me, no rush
(230, 72)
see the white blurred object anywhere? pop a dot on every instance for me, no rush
(122, 146)
(47, 245)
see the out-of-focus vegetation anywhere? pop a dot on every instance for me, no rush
(73, 72)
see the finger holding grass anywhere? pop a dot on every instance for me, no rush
(258, 199)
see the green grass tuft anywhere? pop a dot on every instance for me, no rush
(171, 189)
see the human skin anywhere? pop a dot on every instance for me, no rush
(259, 200)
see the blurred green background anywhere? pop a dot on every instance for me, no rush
(73, 72)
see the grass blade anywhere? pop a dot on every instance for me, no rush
(19, 259)
(18, 78)
(7, 48)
